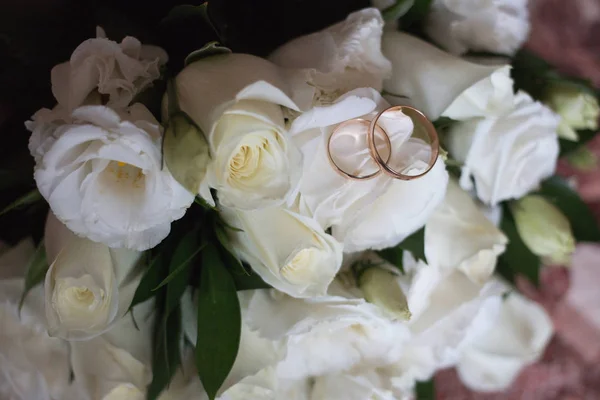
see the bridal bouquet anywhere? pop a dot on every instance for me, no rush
(338, 219)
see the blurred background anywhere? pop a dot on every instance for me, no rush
(567, 34)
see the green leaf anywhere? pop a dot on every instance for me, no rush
(166, 356)
(35, 272)
(219, 322)
(415, 243)
(517, 259)
(201, 202)
(425, 390)
(567, 146)
(188, 246)
(393, 255)
(208, 50)
(182, 267)
(398, 9)
(583, 222)
(23, 201)
(150, 279)
(416, 14)
(225, 242)
(248, 281)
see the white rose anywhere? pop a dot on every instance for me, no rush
(103, 178)
(507, 156)
(116, 365)
(432, 80)
(326, 334)
(289, 251)
(458, 235)
(376, 213)
(493, 359)
(33, 365)
(86, 290)
(497, 26)
(342, 57)
(119, 71)
(237, 99)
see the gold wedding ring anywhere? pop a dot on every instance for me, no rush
(338, 129)
(421, 125)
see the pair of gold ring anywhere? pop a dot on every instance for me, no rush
(420, 122)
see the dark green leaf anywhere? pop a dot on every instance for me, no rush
(225, 242)
(25, 200)
(517, 258)
(208, 50)
(398, 9)
(393, 255)
(248, 281)
(568, 146)
(166, 356)
(151, 278)
(425, 390)
(416, 14)
(188, 245)
(219, 322)
(415, 243)
(583, 223)
(182, 267)
(35, 272)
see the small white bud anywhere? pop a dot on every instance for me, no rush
(544, 229)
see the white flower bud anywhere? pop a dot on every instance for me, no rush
(185, 151)
(578, 109)
(382, 289)
(544, 228)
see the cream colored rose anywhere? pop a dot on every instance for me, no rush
(33, 365)
(85, 287)
(289, 251)
(238, 101)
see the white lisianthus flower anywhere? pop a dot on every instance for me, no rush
(458, 235)
(342, 57)
(117, 70)
(352, 387)
(376, 213)
(33, 365)
(289, 251)
(85, 287)
(432, 80)
(507, 156)
(121, 360)
(493, 359)
(101, 173)
(447, 308)
(497, 26)
(238, 101)
(327, 334)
